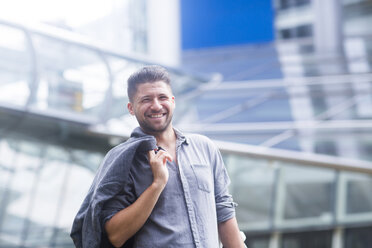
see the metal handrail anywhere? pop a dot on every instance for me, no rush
(83, 41)
(290, 82)
(298, 158)
(278, 126)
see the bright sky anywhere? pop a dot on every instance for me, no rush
(72, 12)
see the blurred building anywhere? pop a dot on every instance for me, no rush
(292, 116)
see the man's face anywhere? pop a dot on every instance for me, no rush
(153, 106)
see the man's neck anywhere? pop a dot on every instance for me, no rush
(166, 138)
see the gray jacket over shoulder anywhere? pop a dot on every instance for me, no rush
(112, 175)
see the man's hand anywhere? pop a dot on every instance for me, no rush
(158, 164)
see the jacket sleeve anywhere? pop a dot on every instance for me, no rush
(124, 199)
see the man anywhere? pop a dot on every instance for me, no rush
(175, 195)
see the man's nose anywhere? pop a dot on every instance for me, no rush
(156, 105)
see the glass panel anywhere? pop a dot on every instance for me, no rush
(216, 101)
(183, 83)
(44, 189)
(356, 17)
(7, 172)
(313, 239)
(79, 180)
(74, 191)
(72, 78)
(325, 146)
(257, 241)
(308, 193)
(47, 198)
(15, 66)
(252, 187)
(138, 25)
(358, 194)
(358, 237)
(336, 142)
(317, 97)
(19, 201)
(62, 239)
(240, 105)
(271, 110)
(211, 104)
(293, 143)
(121, 70)
(80, 175)
(6, 165)
(365, 147)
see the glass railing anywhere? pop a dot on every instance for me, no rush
(41, 188)
(282, 190)
(42, 185)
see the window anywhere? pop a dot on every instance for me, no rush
(286, 4)
(301, 31)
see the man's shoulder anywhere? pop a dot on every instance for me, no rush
(199, 139)
(196, 136)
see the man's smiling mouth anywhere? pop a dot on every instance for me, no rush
(156, 115)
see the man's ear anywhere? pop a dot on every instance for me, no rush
(130, 108)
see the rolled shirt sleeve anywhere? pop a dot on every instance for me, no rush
(225, 206)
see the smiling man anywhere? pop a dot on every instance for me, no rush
(175, 195)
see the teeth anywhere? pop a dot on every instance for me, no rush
(157, 116)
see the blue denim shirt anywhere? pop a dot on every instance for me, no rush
(193, 202)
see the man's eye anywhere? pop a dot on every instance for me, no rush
(145, 100)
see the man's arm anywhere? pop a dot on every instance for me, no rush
(124, 224)
(229, 234)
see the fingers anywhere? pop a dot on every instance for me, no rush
(160, 154)
(164, 156)
(151, 154)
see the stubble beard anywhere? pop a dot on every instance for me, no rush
(150, 129)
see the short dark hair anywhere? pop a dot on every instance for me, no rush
(147, 74)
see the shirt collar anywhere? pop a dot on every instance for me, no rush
(181, 138)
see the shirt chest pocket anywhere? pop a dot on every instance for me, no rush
(202, 174)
